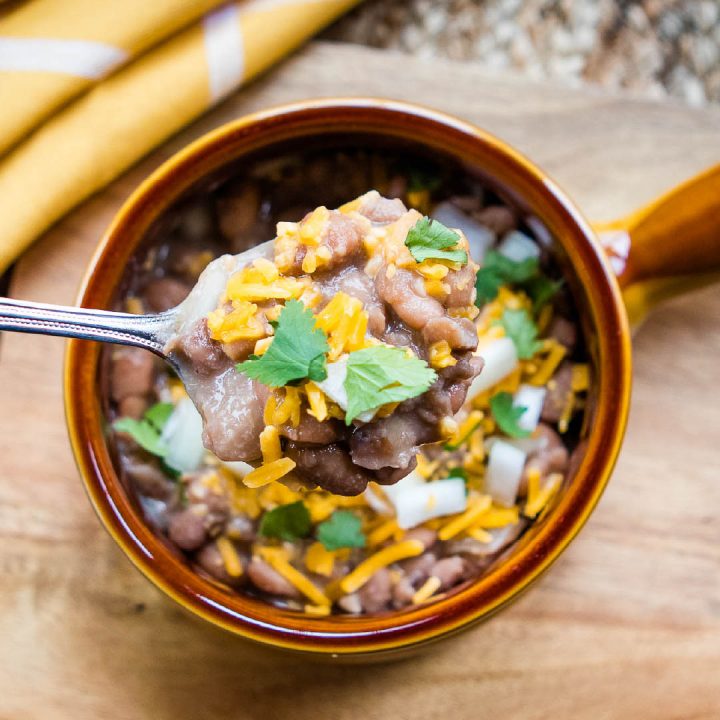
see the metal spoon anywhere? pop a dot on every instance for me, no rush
(151, 332)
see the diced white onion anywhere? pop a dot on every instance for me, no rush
(517, 246)
(527, 445)
(237, 467)
(504, 472)
(540, 231)
(378, 504)
(334, 387)
(334, 384)
(419, 503)
(155, 511)
(479, 237)
(411, 479)
(183, 436)
(500, 358)
(531, 398)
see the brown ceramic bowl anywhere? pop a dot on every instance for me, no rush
(591, 279)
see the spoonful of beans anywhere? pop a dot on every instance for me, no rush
(326, 356)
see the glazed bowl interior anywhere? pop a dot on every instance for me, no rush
(330, 126)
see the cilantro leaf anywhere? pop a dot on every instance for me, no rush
(430, 239)
(458, 472)
(296, 352)
(422, 176)
(507, 415)
(382, 374)
(521, 329)
(342, 530)
(286, 522)
(159, 414)
(498, 270)
(541, 290)
(147, 431)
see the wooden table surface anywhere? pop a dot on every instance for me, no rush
(625, 625)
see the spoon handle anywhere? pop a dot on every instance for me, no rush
(140, 330)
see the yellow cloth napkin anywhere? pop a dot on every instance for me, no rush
(111, 124)
(51, 51)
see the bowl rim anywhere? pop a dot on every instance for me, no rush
(338, 635)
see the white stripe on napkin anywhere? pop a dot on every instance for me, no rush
(82, 58)
(224, 51)
(254, 5)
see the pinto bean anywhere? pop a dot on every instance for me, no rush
(406, 295)
(312, 432)
(564, 331)
(132, 373)
(558, 393)
(343, 236)
(147, 477)
(133, 406)
(417, 569)
(390, 475)
(376, 593)
(204, 355)
(462, 287)
(468, 203)
(240, 527)
(380, 210)
(389, 442)
(264, 578)
(186, 529)
(233, 414)
(350, 604)
(397, 186)
(402, 593)
(328, 466)
(498, 218)
(460, 333)
(165, 294)
(238, 211)
(551, 458)
(208, 557)
(449, 570)
(356, 283)
(426, 536)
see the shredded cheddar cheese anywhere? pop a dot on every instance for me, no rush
(479, 534)
(427, 590)
(382, 532)
(294, 577)
(368, 567)
(316, 399)
(580, 377)
(497, 517)
(266, 474)
(538, 498)
(270, 444)
(548, 366)
(440, 355)
(477, 506)
(317, 610)
(240, 323)
(319, 560)
(231, 559)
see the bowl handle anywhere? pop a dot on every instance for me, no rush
(668, 247)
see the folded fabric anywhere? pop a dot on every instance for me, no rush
(53, 50)
(97, 136)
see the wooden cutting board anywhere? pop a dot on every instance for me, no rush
(625, 625)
